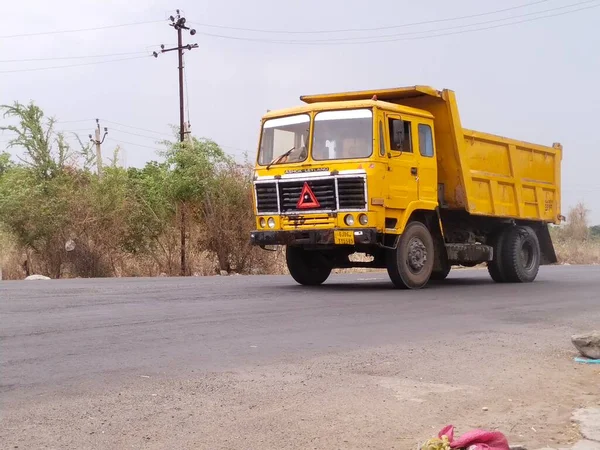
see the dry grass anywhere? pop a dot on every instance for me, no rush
(573, 242)
(577, 252)
(121, 264)
(11, 258)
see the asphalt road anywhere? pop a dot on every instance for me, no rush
(56, 331)
(67, 348)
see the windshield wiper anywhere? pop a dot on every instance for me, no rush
(280, 157)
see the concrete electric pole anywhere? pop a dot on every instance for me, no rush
(178, 23)
(98, 143)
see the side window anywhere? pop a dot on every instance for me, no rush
(407, 143)
(425, 140)
(381, 139)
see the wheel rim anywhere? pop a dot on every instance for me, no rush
(527, 255)
(417, 255)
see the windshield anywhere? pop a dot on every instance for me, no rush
(343, 134)
(284, 140)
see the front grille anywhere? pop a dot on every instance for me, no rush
(324, 190)
(350, 191)
(266, 198)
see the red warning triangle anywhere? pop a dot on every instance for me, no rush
(307, 198)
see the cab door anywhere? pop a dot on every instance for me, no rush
(427, 162)
(402, 163)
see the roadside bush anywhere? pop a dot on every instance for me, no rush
(11, 257)
(575, 241)
(63, 220)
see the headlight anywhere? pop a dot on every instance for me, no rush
(363, 219)
(271, 222)
(263, 222)
(349, 220)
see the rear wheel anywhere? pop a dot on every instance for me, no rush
(309, 268)
(411, 263)
(521, 259)
(495, 266)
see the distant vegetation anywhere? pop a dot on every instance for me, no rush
(576, 242)
(59, 218)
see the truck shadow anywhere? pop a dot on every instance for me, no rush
(386, 285)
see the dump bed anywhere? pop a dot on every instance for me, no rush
(478, 172)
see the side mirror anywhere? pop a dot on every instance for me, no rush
(397, 134)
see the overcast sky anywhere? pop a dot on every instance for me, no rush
(533, 81)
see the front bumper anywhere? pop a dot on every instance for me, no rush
(363, 236)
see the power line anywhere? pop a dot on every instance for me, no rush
(73, 65)
(234, 148)
(74, 121)
(134, 144)
(134, 134)
(72, 57)
(135, 128)
(374, 39)
(72, 131)
(457, 27)
(78, 30)
(155, 137)
(348, 30)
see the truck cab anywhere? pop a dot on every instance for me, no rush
(383, 173)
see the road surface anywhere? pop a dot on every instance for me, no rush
(259, 362)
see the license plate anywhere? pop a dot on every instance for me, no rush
(343, 237)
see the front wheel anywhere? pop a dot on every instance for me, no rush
(439, 275)
(411, 263)
(309, 268)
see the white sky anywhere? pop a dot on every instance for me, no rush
(532, 81)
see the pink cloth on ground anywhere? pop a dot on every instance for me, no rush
(476, 439)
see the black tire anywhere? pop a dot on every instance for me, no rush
(309, 268)
(522, 255)
(495, 267)
(439, 275)
(440, 271)
(411, 263)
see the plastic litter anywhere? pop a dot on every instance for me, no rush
(581, 359)
(473, 440)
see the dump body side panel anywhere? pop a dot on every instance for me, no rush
(509, 178)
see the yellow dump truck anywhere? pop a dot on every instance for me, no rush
(393, 174)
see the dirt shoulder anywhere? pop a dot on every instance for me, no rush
(373, 398)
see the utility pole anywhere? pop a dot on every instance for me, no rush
(178, 23)
(188, 133)
(98, 143)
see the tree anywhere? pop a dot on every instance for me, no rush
(46, 151)
(36, 195)
(5, 163)
(577, 223)
(37, 213)
(193, 165)
(151, 214)
(226, 212)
